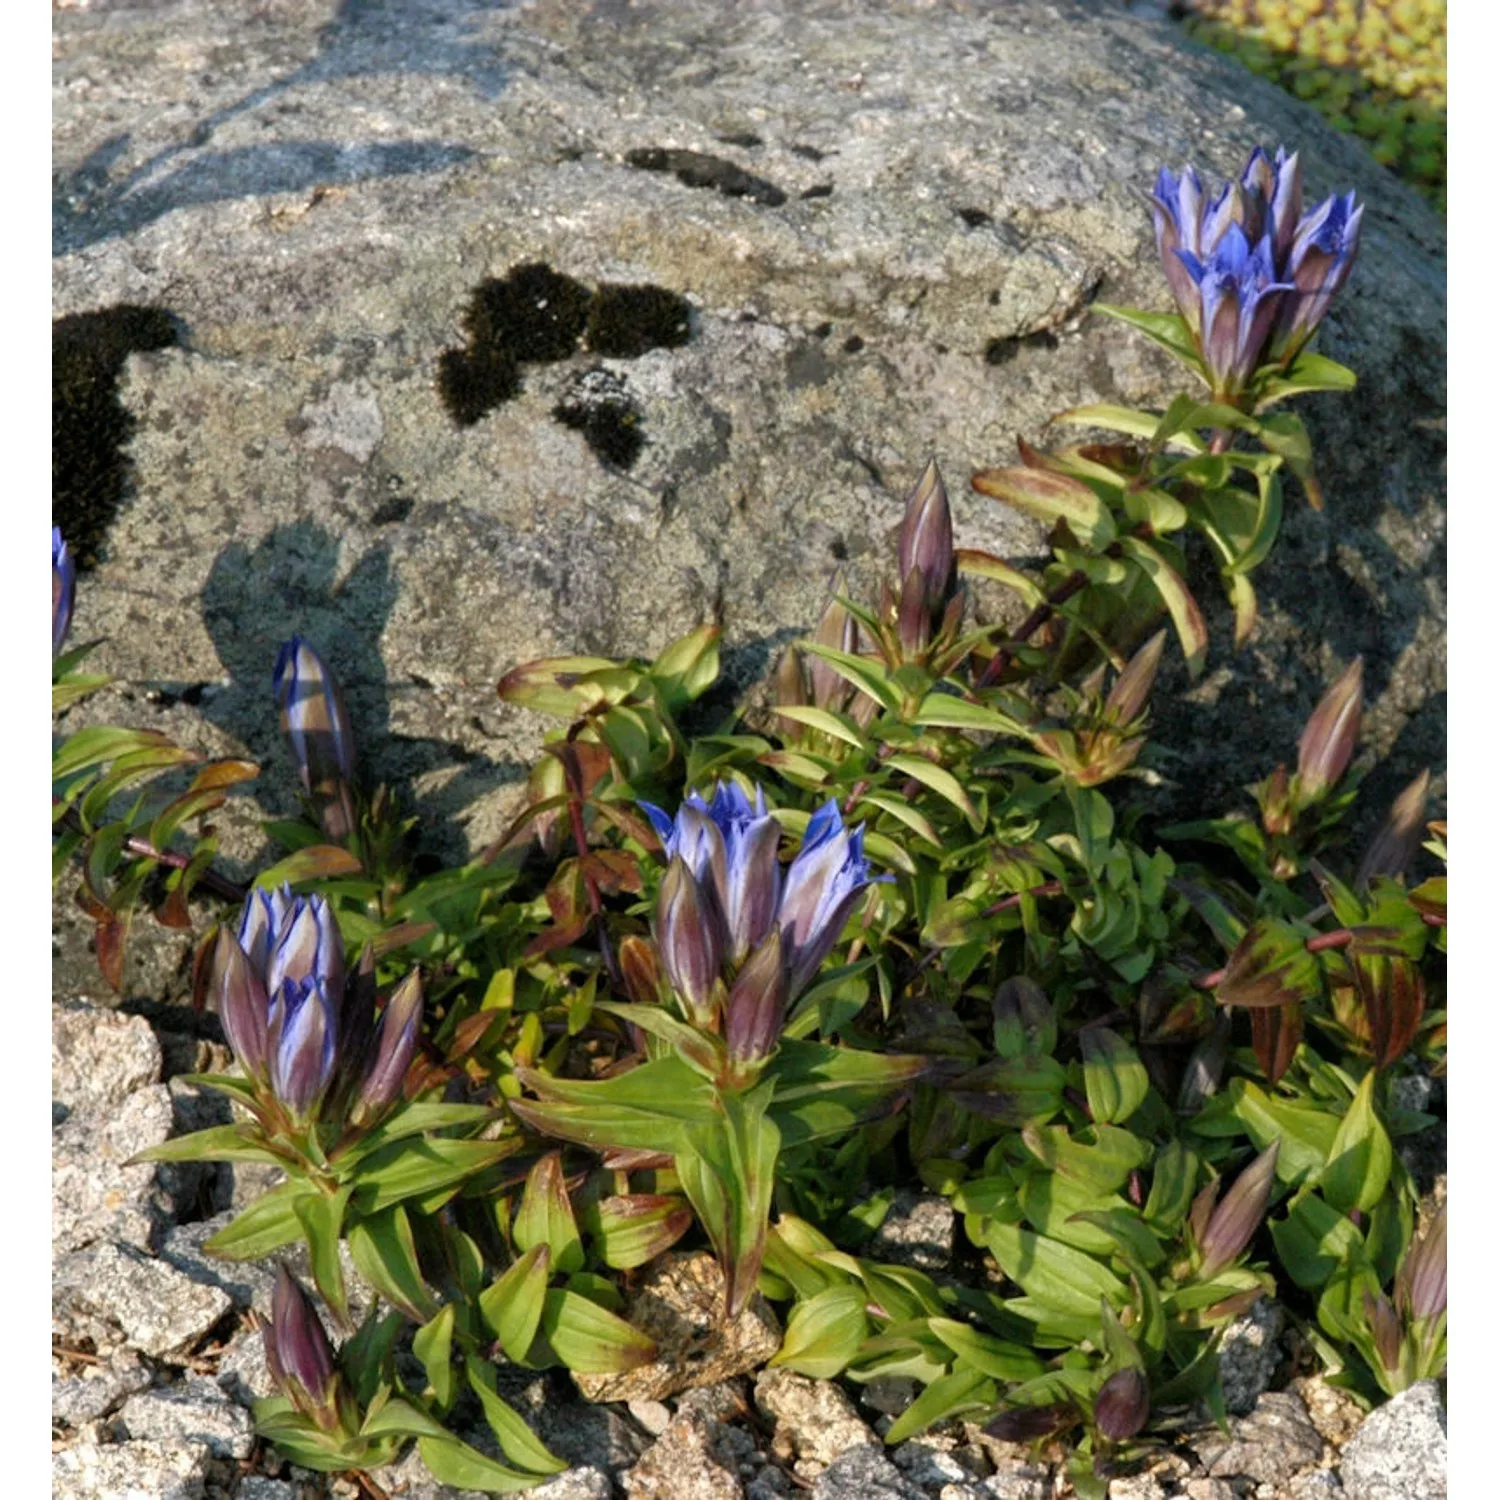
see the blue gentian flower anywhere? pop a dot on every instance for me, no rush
(1252, 275)
(64, 583)
(725, 899)
(1239, 298)
(1318, 264)
(279, 987)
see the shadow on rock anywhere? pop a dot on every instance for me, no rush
(366, 37)
(288, 585)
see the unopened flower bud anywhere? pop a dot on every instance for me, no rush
(317, 724)
(1233, 1223)
(64, 585)
(1327, 743)
(839, 631)
(1385, 1328)
(1422, 1281)
(303, 1044)
(298, 1353)
(1123, 1404)
(395, 1042)
(757, 1003)
(688, 938)
(913, 619)
(927, 539)
(790, 683)
(239, 997)
(1127, 699)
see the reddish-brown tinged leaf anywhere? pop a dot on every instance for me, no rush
(613, 870)
(173, 912)
(109, 948)
(1422, 1281)
(222, 773)
(584, 764)
(640, 970)
(1025, 1424)
(1270, 966)
(1392, 996)
(203, 968)
(1275, 1033)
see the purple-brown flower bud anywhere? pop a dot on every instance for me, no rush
(395, 1041)
(298, 1353)
(1327, 743)
(927, 540)
(839, 631)
(757, 1003)
(640, 971)
(1123, 1404)
(1385, 1328)
(239, 997)
(1127, 699)
(1233, 1223)
(688, 938)
(1422, 1281)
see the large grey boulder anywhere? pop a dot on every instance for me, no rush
(878, 228)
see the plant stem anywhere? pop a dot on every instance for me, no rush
(209, 880)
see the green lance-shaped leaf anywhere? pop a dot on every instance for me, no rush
(1308, 372)
(517, 1441)
(1359, 1161)
(418, 1168)
(824, 1090)
(268, 1224)
(433, 1345)
(1183, 608)
(966, 1389)
(321, 1216)
(452, 1462)
(546, 1215)
(824, 1333)
(567, 686)
(644, 1109)
(1170, 330)
(512, 1306)
(1100, 1167)
(1304, 1133)
(728, 1172)
(1050, 497)
(1271, 966)
(1313, 1240)
(688, 667)
(1057, 1276)
(1173, 1185)
(1114, 1077)
(218, 1143)
(589, 1339)
(997, 1358)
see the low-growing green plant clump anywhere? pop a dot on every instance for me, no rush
(1376, 68)
(736, 984)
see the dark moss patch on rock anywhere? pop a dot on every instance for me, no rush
(625, 322)
(598, 404)
(472, 382)
(698, 169)
(533, 315)
(90, 426)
